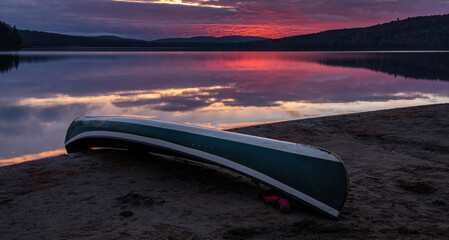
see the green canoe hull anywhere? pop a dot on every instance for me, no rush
(312, 176)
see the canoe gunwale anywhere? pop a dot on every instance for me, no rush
(93, 139)
(295, 148)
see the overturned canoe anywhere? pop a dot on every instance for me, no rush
(312, 176)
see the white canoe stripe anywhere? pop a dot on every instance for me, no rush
(219, 160)
(230, 136)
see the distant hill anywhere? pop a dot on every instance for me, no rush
(417, 33)
(45, 39)
(210, 39)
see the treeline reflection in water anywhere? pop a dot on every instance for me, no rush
(415, 65)
(42, 92)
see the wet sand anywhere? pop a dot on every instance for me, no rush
(398, 162)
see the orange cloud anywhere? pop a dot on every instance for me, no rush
(30, 157)
(200, 3)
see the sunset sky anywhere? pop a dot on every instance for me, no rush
(154, 19)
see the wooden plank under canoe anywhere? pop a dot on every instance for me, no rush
(312, 176)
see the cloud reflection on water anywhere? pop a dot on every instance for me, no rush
(43, 92)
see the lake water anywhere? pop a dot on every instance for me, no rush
(42, 92)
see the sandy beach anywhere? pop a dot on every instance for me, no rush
(398, 162)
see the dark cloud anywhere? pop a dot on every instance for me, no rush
(324, 16)
(29, 129)
(167, 104)
(13, 114)
(151, 21)
(27, 120)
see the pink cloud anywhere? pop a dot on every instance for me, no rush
(146, 19)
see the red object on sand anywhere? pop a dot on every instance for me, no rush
(284, 204)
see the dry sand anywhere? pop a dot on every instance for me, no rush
(398, 162)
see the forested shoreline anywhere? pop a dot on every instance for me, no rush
(416, 33)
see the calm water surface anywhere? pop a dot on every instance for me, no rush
(42, 92)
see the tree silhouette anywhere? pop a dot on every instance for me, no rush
(9, 37)
(8, 62)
